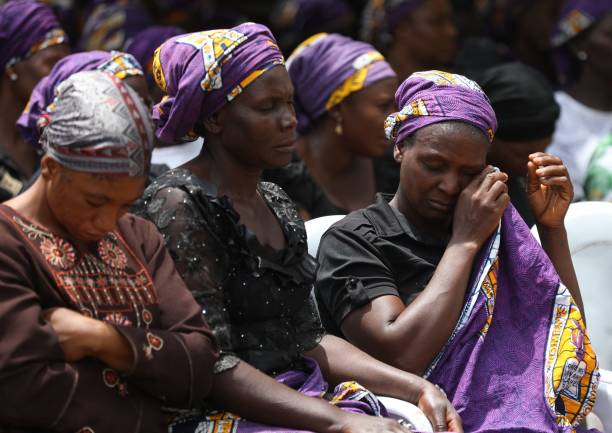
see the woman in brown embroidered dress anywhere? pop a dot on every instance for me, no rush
(97, 327)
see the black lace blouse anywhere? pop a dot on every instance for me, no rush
(256, 299)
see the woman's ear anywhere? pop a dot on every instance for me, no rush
(398, 152)
(214, 124)
(49, 168)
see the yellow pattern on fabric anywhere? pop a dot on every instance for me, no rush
(571, 369)
(249, 79)
(158, 72)
(121, 66)
(311, 40)
(348, 388)
(489, 289)
(356, 81)
(222, 422)
(52, 38)
(216, 47)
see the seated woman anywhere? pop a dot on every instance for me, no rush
(343, 92)
(241, 249)
(98, 327)
(31, 41)
(428, 281)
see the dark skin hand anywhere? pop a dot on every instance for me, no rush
(381, 327)
(550, 192)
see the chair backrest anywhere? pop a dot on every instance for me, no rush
(315, 229)
(589, 231)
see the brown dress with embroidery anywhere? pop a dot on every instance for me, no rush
(127, 279)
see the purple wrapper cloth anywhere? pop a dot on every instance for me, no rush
(143, 45)
(97, 124)
(431, 97)
(519, 359)
(110, 25)
(119, 64)
(26, 27)
(348, 396)
(201, 72)
(326, 68)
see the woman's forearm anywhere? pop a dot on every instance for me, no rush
(340, 361)
(252, 394)
(554, 242)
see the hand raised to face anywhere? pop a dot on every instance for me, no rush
(549, 189)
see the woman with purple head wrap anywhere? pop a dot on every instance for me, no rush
(31, 41)
(343, 92)
(121, 65)
(432, 268)
(101, 311)
(241, 247)
(583, 44)
(413, 34)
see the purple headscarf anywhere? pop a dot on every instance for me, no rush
(143, 45)
(26, 27)
(97, 124)
(381, 17)
(121, 65)
(110, 25)
(431, 97)
(576, 16)
(201, 72)
(326, 68)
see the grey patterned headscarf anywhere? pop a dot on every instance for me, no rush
(97, 124)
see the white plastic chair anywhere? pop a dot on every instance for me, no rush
(397, 409)
(589, 232)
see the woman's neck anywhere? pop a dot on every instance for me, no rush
(346, 178)
(593, 90)
(235, 180)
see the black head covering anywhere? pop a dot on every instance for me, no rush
(523, 101)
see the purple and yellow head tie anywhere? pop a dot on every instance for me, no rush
(27, 27)
(326, 68)
(121, 65)
(201, 72)
(97, 124)
(577, 16)
(431, 97)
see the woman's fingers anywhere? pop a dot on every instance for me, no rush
(551, 170)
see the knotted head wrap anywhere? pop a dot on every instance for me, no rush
(431, 97)
(97, 124)
(121, 65)
(201, 72)
(27, 27)
(327, 68)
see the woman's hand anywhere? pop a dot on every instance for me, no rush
(81, 336)
(440, 412)
(480, 207)
(549, 189)
(358, 423)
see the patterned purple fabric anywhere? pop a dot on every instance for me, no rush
(97, 124)
(143, 45)
(348, 396)
(519, 359)
(121, 65)
(326, 68)
(201, 72)
(430, 97)
(110, 25)
(26, 27)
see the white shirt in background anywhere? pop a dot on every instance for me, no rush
(578, 132)
(174, 156)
